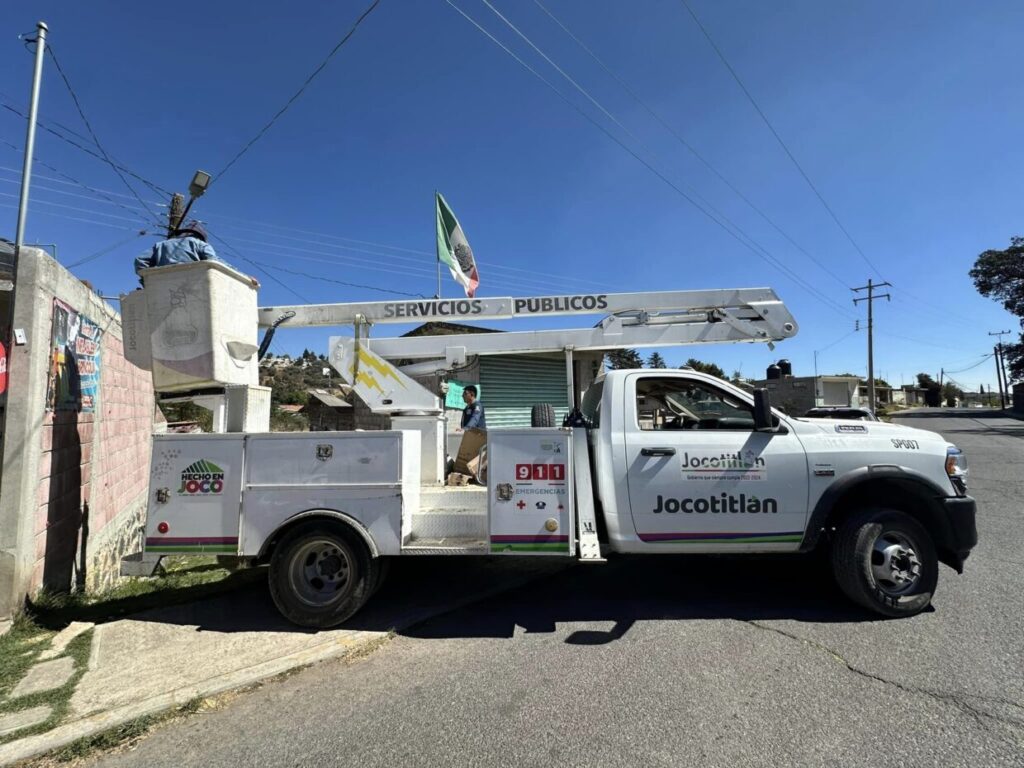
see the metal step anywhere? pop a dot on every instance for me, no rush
(450, 545)
(468, 498)
(445, 523)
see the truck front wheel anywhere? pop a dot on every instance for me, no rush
(884, 560)
(320, 575)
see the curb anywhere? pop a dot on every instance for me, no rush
(62, 735)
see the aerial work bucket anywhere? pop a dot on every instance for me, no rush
(194, 326)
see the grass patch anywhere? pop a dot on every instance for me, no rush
(184, 578)
(58, 699)
(19, 648)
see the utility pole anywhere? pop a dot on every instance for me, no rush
(175, 213)
(870, 299)
(1000, 372)
(30, 138)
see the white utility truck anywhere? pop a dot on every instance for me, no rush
(652, 461)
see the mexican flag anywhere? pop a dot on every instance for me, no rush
(453, 248)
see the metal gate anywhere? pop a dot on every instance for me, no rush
(512, 384)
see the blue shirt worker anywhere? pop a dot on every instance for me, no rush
(188, 244)
(473, 414)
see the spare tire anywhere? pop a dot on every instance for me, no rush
(542, 415)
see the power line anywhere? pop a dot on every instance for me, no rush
(106, 250)
(120, 227)
(95, 138)
(37, 200)
(741, 237)
(972, 367)
(90, 198)
(153, 186)
(256, 264)
(321, 278)
(686, 144)
(71, 181)
(778, 138)
(299, 92)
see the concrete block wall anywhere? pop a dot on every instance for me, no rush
(74, 485)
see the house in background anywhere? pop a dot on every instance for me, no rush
(796, 395)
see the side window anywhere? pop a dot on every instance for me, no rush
(675, 404)
(591, 404)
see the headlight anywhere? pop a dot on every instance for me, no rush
(956, 468)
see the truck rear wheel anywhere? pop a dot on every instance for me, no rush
(884, 560)
(320, 575)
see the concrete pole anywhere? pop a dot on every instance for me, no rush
(30, 138)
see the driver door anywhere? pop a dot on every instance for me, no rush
(700, 477)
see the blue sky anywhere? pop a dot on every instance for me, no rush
(906, 116)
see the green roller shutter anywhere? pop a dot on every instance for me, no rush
(512, 384)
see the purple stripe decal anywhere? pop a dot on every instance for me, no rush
(192, 540)
(555, 539)
(680, 536)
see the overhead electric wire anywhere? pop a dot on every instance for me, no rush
(771, 258)
(490, 265)
(687, 145)
(120, 166)
(36, 200)
(984, 358)
(321, 278)
(120, 227)
(91, 198)
(756, 249)
(238, 255)
(778, 138)
(299, 92)
(420, 267)
(844, 337)
(70, 181)
(106, 250)
(95, 138)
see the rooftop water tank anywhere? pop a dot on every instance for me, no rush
(773, 373)
(786, 367)
(194, 326)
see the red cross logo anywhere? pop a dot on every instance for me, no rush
(521, 504)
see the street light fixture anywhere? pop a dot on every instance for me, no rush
(200, 181)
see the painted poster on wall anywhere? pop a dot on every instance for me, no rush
(74, 383)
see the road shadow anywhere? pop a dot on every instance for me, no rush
(1010, 424)
(628, 590)
(435, 598)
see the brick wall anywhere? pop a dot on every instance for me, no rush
(94, 469)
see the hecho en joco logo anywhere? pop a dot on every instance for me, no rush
(201, 477)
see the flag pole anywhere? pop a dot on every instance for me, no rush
(437, 253)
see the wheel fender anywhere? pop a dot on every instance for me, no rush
(925, 487)
(328, 514)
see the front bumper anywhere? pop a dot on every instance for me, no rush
(963, 531)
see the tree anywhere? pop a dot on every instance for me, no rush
(950, 393)
(933, 392)
(703, 367)
(624, 358)
(999, 275)
(656, 361)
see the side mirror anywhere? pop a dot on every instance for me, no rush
(763, 419)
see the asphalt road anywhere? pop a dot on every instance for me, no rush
(672, 661)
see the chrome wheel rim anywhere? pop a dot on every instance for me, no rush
(895, 564)
(320, 572)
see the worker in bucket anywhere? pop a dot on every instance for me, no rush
(189, 243)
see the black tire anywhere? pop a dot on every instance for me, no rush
(885, 561)
(321, 574)
(542, 415)
(382, 569)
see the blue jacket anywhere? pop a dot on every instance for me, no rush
(473, 417)
(177, 250)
